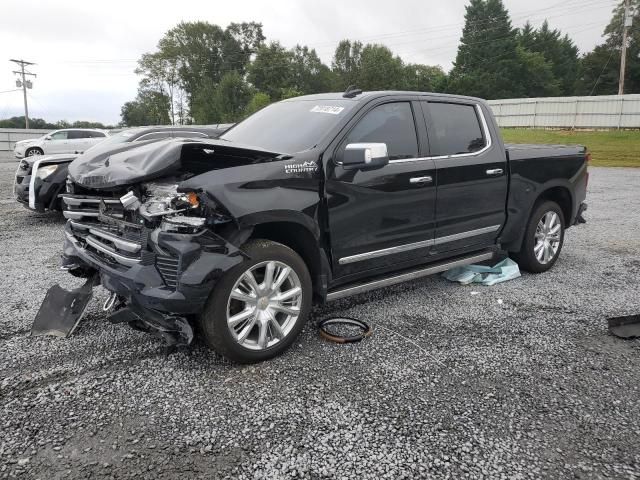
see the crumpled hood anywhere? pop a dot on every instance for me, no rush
(135, 162)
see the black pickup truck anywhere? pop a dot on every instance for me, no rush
(311, 199)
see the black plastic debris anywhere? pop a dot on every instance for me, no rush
(62, 310)
(627, 326)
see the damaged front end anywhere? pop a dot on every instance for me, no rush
(157, 249)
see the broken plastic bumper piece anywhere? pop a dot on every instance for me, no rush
(62, 310)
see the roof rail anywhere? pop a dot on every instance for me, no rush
(351, 91)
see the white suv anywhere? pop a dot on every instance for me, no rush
(69, 140)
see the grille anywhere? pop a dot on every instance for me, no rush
(99, 223)
(169, 268)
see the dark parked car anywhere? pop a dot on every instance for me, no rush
(311, 199)
(40, 179)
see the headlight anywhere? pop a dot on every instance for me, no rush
(44, 172)
(165, 200)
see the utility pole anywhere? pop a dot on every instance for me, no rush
(628, 18)
(24, 84)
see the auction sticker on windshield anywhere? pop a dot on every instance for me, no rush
(327, 109)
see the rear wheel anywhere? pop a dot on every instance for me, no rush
(33, 152)
(543, 238)
(259, 307)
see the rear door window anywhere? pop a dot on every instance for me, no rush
(455, 129)
(59, 135)
(390, 123)
(77, 134)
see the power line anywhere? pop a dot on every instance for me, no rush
(24, 84)
(628, 18)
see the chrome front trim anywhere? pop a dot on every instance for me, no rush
(75, 215)
(121, 244)
(385, 251)
(403, 277)
(412, 246)
(74, 201)
(129, 262)
(462, 235)
(32, 184)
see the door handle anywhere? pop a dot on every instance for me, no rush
(495, 171)
(420, 180)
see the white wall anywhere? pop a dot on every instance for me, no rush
(604, 111)
(9, 136)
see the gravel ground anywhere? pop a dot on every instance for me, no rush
(519, 380)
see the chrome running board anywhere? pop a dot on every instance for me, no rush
(410, 275)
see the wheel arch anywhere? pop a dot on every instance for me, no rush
(34, 147)
(301, 240)
(558, 193)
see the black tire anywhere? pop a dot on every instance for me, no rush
(526, 257)
(33, 151)
(213, 320)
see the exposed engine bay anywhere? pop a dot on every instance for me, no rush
(131, 224)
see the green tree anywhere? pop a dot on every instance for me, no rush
(600, 68)
(258, 101)
(379, 69)
(486, 64)
(149, 108)
(536, 75)
(424, 78)
(159, 73)
(308, 73)
(558, 50)
(271, 71)
(18, 122)
(346, 64)
(225, 102)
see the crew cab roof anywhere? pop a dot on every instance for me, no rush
(366, 96)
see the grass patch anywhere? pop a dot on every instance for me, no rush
(612, 148)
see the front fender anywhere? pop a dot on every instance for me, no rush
(261, 193)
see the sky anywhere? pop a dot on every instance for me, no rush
(85, 52)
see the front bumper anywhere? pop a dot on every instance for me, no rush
(18, 152)
(45, 191)
(200, 260)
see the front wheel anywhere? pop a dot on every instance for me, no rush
(260, 306)
(34, 152)
(543, 238)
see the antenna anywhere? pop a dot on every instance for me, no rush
(351, 91)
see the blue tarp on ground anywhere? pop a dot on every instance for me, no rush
(505, 270)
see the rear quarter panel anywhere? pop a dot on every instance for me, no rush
(534, 170)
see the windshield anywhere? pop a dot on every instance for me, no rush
(121, 137)
(291, 126)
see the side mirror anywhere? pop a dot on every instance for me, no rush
(48, 137)
(365, 156)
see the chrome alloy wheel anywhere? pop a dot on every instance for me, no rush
(34, 152)
(264, 305)
(548, 236)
